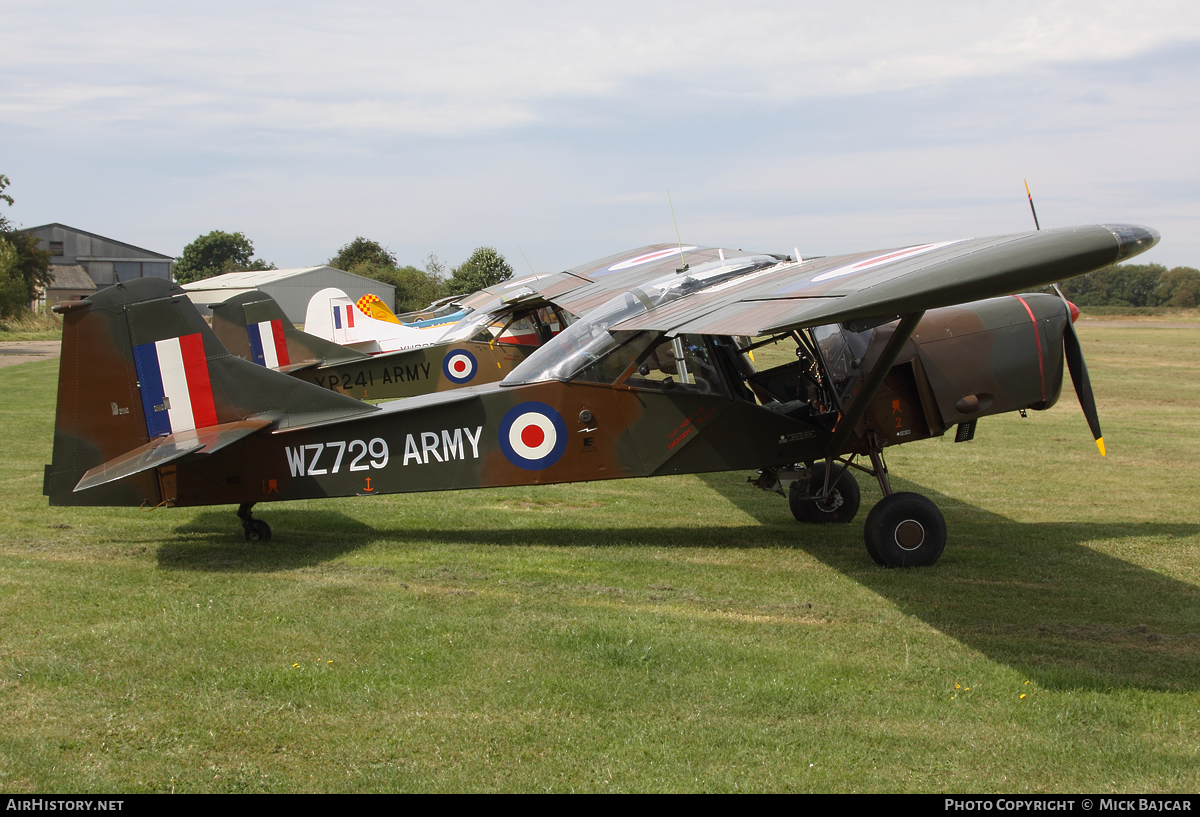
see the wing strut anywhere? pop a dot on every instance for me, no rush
(858, 406)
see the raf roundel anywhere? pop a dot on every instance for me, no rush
(533, 436)
(460, 366)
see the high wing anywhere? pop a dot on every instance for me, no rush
(874, 286)
(589, 285)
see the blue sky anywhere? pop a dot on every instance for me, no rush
(559, 128)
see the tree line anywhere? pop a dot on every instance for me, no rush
(1136, 285)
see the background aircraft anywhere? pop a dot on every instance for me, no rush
(481, 348)
(501, 326)
(153, 410)
(368, 326)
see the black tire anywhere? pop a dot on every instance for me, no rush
(905, 530)
(841, 506)
(257, 531)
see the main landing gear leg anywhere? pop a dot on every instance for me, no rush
(903, 529)
(256, 530)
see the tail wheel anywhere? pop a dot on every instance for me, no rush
(257, 531)
(839, 507)
(905, 530)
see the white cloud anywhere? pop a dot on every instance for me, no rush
(471, 67)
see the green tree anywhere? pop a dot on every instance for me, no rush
(215, 254)
(363, 252)
(4, 224)
(27, 266)
(12, 284)
(435, 267)
(1179, 286)
(1117, 285)
(484, 268)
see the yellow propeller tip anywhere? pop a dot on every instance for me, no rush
(1100, 445)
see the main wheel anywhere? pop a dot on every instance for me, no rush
(905, 530)
(839, 507)
(257, 531)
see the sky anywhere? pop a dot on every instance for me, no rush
(554, 131)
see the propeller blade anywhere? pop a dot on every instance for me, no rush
(1079, 376)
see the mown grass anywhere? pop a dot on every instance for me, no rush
(673, 634)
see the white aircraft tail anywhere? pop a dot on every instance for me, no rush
(332, 315)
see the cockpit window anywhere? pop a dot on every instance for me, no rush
(589, 339)
(520, 331)
(683, 362)
(610, 367)
(842, 351)
(497, 323)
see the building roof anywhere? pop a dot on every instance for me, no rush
(149, 253)
(256, 278)
(70, 276)
(292, 295)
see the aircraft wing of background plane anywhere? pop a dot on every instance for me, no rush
(252, 326)
(872, 286)
(589, 285)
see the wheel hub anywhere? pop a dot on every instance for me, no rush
(831, 503)
(910, 534)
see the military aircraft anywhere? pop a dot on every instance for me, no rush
(482, 347)
(367, 325)
(891, 346)
(498, 328)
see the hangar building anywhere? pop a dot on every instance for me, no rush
(291, 288)
(83, 262)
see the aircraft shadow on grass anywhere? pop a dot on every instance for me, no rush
(1031, 595)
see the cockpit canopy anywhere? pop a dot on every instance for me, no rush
(593, 337)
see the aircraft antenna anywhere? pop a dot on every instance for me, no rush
(523, 255)
(677, 239)
(1031, 207)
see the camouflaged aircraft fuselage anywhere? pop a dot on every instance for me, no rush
(962, 363)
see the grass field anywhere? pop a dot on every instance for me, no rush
(675, 634)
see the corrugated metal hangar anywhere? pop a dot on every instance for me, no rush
(291, 288)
